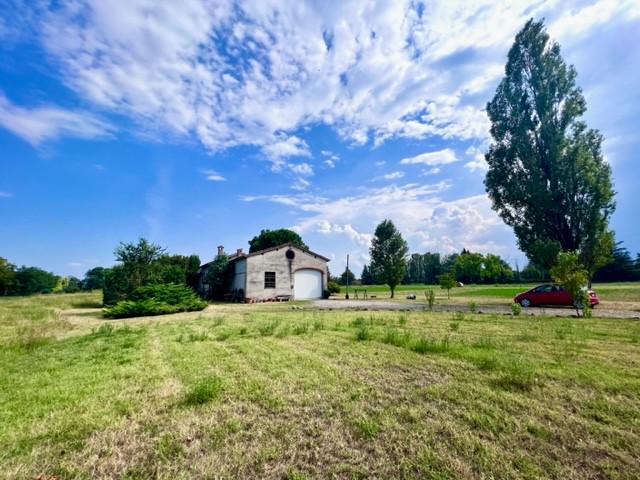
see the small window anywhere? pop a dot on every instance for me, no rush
(269, 279)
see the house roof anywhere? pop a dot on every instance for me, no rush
(239, 255)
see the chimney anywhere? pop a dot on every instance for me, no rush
(239, 252)
(220, 250)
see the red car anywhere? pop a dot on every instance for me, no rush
(550, 294)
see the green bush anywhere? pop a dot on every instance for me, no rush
(157, 300)
(333, 287)
(516, 309)
(431, 298)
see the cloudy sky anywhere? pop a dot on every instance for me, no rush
(201, 122)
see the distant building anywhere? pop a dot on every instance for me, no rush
(278, 273)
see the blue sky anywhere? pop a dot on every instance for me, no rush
(201, 124)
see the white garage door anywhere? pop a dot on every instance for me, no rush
(307, 284)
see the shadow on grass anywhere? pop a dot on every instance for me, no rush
(87, 304)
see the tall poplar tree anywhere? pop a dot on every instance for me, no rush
(388, 255)
(547, 178)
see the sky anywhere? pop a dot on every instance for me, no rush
(200, 123)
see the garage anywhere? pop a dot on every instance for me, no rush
(307, 284)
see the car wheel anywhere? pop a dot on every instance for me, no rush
(525, 302)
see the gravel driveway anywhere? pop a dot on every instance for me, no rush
(343, 304)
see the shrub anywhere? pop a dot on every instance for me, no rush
(431, 298)
(156, 300)
(516, 309)
(333, 287)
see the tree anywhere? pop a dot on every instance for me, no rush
(569, 272)
(547, 178)
(67, 285)
(620, 269)
(388, 255)
(534, 273)
(367, 276)
(273, 238)
(495, 269)
(135, 270)
(138, 259)
(468, 267)
(179, 269)
(447, 281)
(218, 277)
(448, 264)
(144, 264)
(7, 275)
(415, 269)
(94, 279)
(347, 275)
(432, 267)
(30, 280)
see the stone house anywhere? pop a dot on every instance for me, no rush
(277, 273)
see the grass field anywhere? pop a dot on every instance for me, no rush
(267, 391)
(612, 295)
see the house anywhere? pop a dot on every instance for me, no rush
(277, 273)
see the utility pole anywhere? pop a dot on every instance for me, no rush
(347, 294)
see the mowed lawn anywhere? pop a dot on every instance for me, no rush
(268, 391)
(613, 296)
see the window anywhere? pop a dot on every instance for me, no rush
(269, 279)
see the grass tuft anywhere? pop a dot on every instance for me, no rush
(269, 329)
(519, 375)
(205, 390)
(367, 428)
(363, 333)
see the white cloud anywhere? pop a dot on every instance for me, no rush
(441, 157)
(213, 176)
(286, 147)
(480, 165)
(6, 194)
(49, 122)
(391, 176)
(431, 171)
(329, 163)
(478, 161)
(248, 72)
(301, 169)
(583, 18)
(332, 160)
(359, 238)
(300, 184)
(426, 220)
(243, 72)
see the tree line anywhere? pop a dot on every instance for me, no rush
(138, 264)
(468, 267)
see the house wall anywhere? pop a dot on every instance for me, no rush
(275, 261)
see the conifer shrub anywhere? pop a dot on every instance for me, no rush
(160, 299)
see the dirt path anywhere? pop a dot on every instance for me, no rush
(342, 304)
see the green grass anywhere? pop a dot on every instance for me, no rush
(500, 294)
(263, 391)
